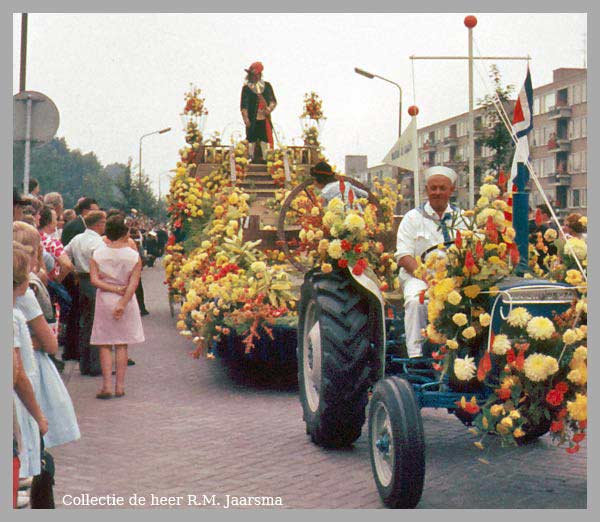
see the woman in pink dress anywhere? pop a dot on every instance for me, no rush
(115, 271)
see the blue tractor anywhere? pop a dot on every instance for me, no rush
(351, 361)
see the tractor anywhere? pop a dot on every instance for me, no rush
(352, 363)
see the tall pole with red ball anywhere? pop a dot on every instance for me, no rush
(470, 22)
(413, 110)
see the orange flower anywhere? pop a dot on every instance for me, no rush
(485, 365)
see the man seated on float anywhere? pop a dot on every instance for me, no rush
(420, 229)
(325, 180)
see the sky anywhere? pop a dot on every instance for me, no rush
(116, 77)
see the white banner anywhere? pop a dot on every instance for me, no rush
(402, 153)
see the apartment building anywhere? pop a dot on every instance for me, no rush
(558, 145)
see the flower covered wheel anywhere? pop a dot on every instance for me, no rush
(303, 209)
(397, 443)
(335, 360)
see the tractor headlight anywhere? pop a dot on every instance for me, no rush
(539, 294)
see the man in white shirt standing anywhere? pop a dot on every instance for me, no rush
(80, 250)
(420, 229)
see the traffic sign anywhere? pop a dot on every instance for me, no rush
(44, 117)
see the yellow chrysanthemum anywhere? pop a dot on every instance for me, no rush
(469, 333)
(574, 277)
(482, 202)
(472, 291)
(518, 317)
(489, 191)
(569, 337)
(434, 335)
(443, 288)
(578, 408)
(577, 246)
(518, 433)
(501, 344)
(459, 319)
(354, 223)
(507, 422)
(326, 268)
(540, 328)
(464, 369)
(580, 354)
(452, 344)
(335, 249)
(454, 297)
(485, 320)
(496, 410)
(538, 367)
(578, 375)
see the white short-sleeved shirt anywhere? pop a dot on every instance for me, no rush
(82, 247)
(28, 305)
(420, 229)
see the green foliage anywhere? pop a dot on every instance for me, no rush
(73, 174)
(497, 137)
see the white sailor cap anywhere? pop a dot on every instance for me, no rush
(440, 170)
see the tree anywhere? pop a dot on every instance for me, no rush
(497, 137)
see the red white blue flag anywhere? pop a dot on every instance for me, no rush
(522, 124)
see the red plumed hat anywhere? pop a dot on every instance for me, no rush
(255, 68)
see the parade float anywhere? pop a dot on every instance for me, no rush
(227, 267)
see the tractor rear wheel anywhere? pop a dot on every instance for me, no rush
(397, 443)
(335, 360)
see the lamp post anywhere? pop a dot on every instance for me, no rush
(371, 76)
(162, 131)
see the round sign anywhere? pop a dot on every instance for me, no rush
(44, 117)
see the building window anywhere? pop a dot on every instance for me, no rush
(549, 101)
(447, 131)
(536, 105)
(584, 92)
(549, 165)
(584, 127)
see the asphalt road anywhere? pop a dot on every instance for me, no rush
(194, 427)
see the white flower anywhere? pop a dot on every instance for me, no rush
(465, 369)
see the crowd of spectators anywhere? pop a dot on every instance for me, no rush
(53, 315)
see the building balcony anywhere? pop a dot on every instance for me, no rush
(450, 141)
(559, 179)
(559, 145)
(559, 111)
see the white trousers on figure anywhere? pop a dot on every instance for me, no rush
(415, 314)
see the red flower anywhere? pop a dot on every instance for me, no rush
(520, 362)
(343, 263)
(458, 239)
(578, 437)
(342, 188)
(562, 413)
(479, 250)
(562, 387)
(554, 398)
(582, 424)
(358, 248)
(490, 230)
(351, 197)
(503, 393)
(422, 297)
(573, 449)
(510, 356)
(437, 367)
(556, 426)
(346, 245)
(502, 180)
(384, 287)
(514, 254)
(469, 261)
(485, 365)
(360, 266)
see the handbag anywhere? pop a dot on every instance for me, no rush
(42, 486)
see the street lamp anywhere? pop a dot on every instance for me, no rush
(371, 76)
(149, 134)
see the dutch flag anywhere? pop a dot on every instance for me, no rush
(522, 124)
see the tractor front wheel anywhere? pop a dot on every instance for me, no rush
(397, 443)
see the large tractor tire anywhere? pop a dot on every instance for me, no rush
(335, 359)
(397, 443)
